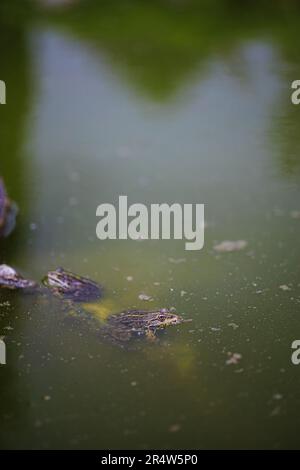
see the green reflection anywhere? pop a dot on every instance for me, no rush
(160, 44)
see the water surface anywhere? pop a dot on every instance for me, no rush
(103, 106)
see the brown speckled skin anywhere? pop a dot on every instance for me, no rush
(71, 286)
(140, 323)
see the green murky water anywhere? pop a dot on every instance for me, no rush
(165, 102)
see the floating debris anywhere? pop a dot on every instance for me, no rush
(71, 286)
(234, 358)
(146, 298)
(177, 260)
(227, 246)
(11, 279)
(234, 326)
(277, 396)
(284, 287)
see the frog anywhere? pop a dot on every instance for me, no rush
(76, 292)
(69, 286)
(11, 279)
(131, 324)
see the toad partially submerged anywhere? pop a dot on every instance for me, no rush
(8, 212)
(72, 287)
(11, 279)
(140, 323)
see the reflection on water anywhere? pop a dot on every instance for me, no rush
(164, 102)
